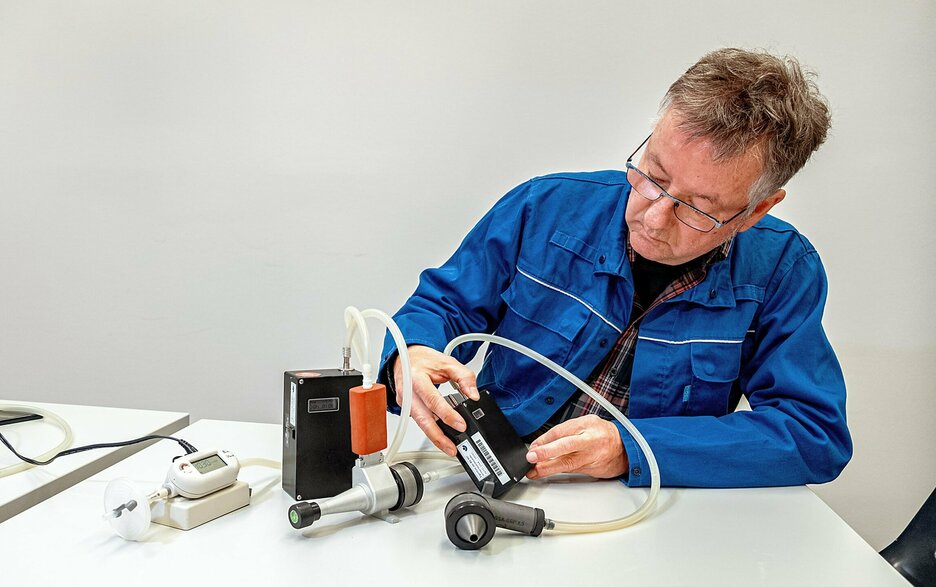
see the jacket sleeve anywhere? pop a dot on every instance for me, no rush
(796, 430)
(463, 295)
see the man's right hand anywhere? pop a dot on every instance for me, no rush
(429, 368)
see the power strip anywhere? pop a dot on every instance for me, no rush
(185, 514)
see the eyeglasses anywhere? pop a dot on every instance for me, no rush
(684, 212)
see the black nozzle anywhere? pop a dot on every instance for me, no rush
(471, 518)
(469, 521)
(304, 513)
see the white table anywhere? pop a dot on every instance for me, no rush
(785, 536)
(90, 425)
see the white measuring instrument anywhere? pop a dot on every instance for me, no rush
(199, 487)
(202, 473)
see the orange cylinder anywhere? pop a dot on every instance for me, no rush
(368, 419)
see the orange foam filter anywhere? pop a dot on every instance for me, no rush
(368, 419)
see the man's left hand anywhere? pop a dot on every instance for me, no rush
(588, 445)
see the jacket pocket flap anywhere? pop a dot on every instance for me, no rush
(574, 245)
(546, 307)
(717, 361)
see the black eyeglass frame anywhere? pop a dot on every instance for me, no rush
(717, 223)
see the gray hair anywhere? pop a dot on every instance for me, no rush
(752, 102)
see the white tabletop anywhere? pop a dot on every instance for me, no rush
(784, 536)
(90, 425)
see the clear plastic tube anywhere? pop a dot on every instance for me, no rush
(435, 475)
(260, 462)
(257, 490)
(420, 455)
(423, 455)
(51, 417)
(397, 335)
(354, 323)
(582, 527)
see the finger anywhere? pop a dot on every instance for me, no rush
(441, 408)
(461, 377)
(432, 400)
(567, 463)
(558, 448)
(567, 428)
(426, 422)
(467, 384)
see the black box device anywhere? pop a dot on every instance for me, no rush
(489, 448)
(317, 457)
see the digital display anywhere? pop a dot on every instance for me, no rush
(327, 404)
(208, 464)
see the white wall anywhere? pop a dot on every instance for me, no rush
(190, 192)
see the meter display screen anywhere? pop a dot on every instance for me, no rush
(208, 464)
(325, 404)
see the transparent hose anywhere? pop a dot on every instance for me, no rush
(423, 455)
(50, 416)
(581, 527)
(397, 335)
(428, 477)
(257, 490)
(435, 475)
(260, 462)
(354, 324)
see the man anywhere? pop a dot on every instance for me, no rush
(667, 287)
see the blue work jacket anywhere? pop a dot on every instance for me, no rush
(547, 267)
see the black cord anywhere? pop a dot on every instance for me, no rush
(189, 449)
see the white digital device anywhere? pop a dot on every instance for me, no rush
(201, 473)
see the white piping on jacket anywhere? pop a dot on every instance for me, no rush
(689, 341)
(579, 300)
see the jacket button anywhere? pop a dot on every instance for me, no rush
(603, 342)
(601, 259)
(549, 400)
(712, 294)
(635, 471)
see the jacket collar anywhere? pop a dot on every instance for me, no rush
(612, 248)
(716, 290)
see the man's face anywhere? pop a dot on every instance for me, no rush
(687, 170)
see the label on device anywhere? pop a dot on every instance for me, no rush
(475, 462)
(488, 455)
(293, 391)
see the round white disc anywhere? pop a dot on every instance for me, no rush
(131, 524)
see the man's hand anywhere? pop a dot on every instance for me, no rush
(429, 368)
(587, 445)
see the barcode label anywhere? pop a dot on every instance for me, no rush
(488, 455)
(475, 464)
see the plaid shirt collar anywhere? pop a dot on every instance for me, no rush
(714, 256)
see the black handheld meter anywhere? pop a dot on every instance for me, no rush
(489, 449)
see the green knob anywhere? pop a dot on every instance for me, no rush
(294, 516)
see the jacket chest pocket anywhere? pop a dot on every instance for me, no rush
(541, 318)
(715, 366)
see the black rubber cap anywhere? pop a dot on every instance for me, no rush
(540, 522)
(304, 513)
